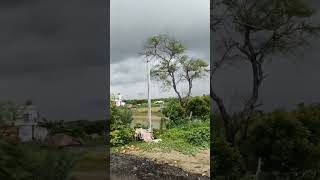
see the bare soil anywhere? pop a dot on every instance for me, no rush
(131, 167)
(198, 163)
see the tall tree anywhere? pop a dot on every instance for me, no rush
(250, 31)
(174, 67)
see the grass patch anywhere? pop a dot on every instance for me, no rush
(91, 161)
(187, 139)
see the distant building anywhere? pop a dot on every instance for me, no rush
(27, 124)
(118, 101)
(159, 102)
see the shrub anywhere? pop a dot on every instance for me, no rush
(157, 133)
(199, 136)
(121, 117)
(176, 114)
(226, 160)
(199, 107)
(121, 136)
(139, 125)
(174, 134)
(283, 143)
(56, 165)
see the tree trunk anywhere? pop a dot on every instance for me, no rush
(228, 130)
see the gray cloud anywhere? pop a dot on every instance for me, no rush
(54, 53)
(132, 24)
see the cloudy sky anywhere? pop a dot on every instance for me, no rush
(53, 52)
(133, 21)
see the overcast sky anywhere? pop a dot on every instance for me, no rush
(133, 21)
(53, 52)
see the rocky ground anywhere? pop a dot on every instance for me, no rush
(130, 167)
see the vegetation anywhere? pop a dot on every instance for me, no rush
(286, 143)
(183, 133)
(23, 162)
(121, 136)
(80, 128)
(185, 139)
(121, 117)
(198, 107)
(250, 32)
(174, 65)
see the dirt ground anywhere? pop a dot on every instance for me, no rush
(130, 167)
(199, 163)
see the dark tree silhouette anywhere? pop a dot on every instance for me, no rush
(250, 31)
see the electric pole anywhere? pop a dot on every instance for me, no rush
(149, 98)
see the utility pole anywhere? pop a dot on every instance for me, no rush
(149, 98)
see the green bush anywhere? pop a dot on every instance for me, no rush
(56, 165)
(226, 160)
(157, 133)
(121, 137)
(121, 117)
(283, 143)
(199, 107)
(139, 125)
(174, 134)
(22, 162)
(199, 136)
(176, 114)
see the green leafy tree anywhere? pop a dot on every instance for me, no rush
(174, 67)
(283, 143)
(198, 107)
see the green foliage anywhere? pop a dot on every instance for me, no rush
(79, 128)
(23, 163)
(8, 112)
(283, 143)
(199, 107)
(139, 125)
(310, 118)
(181, 138)
(56, 165)
(12, 162)
(195, 134)
(121, 117)
(199, 136)
(176, 114)
(121, 137)
(173, 66)
(227, 160)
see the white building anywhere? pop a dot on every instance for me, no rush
(27, 124)
(119, 101)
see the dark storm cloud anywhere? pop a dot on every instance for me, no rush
(132, 24)
(54, 53)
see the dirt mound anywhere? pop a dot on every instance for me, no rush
(124, 166)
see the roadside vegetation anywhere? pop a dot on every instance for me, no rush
(181, 132)
(36, 160)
